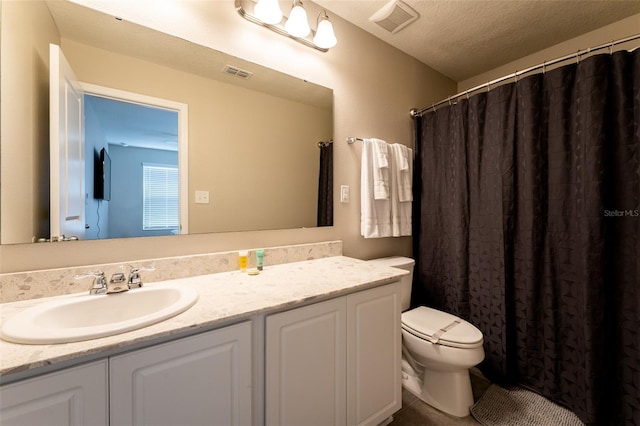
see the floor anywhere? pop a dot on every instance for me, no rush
(414, 412)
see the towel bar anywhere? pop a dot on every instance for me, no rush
(352, 139)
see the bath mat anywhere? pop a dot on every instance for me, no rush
(519, 407)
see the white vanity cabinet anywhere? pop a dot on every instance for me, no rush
(199, 380)
(305, 365)
(74, 396)
(336, 362)
(307, 349)
(374, 355)
(205, 379)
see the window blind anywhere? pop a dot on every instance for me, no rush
(160, 197)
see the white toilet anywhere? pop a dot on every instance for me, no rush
(437, 350)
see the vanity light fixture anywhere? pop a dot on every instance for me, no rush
(267, 13)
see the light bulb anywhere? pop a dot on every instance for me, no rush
(268, 11)
(325, 37)
(297, 24)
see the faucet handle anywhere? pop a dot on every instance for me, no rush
(99, 285)
(135, 280)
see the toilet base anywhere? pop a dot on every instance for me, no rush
(448, 391)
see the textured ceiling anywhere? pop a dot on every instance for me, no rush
(462, 38)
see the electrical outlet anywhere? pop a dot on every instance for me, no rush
(202, 197)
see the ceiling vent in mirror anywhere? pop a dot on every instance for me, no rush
(394, 16)
(237, 72)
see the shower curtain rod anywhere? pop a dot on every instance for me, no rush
(418, 112)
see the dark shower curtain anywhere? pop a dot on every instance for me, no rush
(529, 227)
(325, 185)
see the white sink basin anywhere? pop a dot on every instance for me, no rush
(82, 317)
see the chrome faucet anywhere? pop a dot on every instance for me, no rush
(117, 283)
(135, 281)
(99, 285)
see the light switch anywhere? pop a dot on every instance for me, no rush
(202, 197)
(344, 194)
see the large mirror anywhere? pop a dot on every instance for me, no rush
(253, 145)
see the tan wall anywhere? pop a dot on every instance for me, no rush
(374, 86)
(254, 183)
(618, 30)
(27, 29)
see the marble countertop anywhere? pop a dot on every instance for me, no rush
(224, 298)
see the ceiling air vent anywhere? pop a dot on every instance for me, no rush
(394, 16)
(237, 72)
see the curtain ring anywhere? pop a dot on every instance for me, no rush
(544, 67)
(434, 107)
(515, 75)
(488, 86)
(578, 57)
(449, 99)
(467, 93)
(611, 48)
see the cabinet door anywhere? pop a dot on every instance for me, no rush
(305, 365)
(374, 355)
(75, 396)
(199, 380)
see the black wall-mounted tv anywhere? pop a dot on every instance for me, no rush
(102, 184)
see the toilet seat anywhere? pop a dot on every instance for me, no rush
(441, 328)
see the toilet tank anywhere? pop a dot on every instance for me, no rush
(406, 281)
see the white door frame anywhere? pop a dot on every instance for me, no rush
(183, 136)
(66, 147)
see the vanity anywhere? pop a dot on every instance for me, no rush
(314, 342)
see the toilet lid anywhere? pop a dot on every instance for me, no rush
(440, 327)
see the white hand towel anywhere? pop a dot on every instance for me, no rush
(401, 194)
(380, 169)
(375, 215)
(403, 157)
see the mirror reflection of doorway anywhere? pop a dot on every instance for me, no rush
(141, 142)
